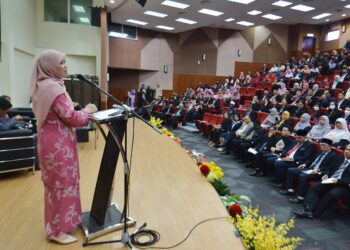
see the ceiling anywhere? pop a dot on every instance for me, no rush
(121, 10)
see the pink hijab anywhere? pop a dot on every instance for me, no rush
(46, 83)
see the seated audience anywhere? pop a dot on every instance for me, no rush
(340, 131)
(7, 123)
(304, 123)
(296, 156)
(319, 130)
(317, 166)
(322, 196)
(284, 122)
(271, 119)
(264, 157)
(218, 131)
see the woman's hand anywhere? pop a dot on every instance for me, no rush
(90, 108)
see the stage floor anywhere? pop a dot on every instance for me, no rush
(167, 191)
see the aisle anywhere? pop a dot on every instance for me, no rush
(330, 232)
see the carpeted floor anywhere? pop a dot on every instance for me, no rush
(331, 231)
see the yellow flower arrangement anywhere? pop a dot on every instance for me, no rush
(155, 122)
(215, 169)
(166, 132)
(261, 233)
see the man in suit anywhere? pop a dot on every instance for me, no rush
(334, 185)
(297, 155)
(342, 103)
(337, 84)
(251, 113)
(318, 165)
(177, 117)
(266, 157)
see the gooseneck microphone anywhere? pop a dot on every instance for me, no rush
(126, 108)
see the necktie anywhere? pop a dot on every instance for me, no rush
(295, 148)
(339, 172)
(316, 164)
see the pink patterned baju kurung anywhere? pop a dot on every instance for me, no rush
(58, 157)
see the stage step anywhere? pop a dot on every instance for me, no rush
(189, 127)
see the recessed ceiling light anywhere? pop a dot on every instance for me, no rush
(136, 22)
(327, 20)
(79, 8)
(153, 13)
(117, 34)
(282, 3)
(111, 1)
(245, 23)
(184, 20)
(347, 6)
(84, 19)
(165, 27)
(175, 4)
(210, 12)
(242, 1)
(254, 12)
(229, 19)
(272, 16)
(320, 16)
(343, 14)
(302, 7)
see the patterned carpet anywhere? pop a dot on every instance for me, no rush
(331, 231)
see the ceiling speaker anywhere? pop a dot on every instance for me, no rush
(141, 2)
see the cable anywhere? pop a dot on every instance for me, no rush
(154, 236)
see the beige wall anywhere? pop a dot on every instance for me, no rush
(339, 43)
(18, 49)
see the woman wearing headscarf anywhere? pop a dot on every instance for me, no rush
(285, 121)
(271, 119)
(304, 123)
(318, 131)
(340, 131)
(282, 89)
(57, 145)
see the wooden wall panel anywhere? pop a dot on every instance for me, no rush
(181, 81)
(167, 93)
(248, 66)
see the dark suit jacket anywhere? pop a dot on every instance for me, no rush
(252, 115)
(258, 137)
(344, 181)
(304, 152)
(344, 104)
(326, 162)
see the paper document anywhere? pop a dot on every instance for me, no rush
(253, 151)
(105, 114)
(308, 171)
(328, 181)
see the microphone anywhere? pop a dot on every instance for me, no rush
(125, 108)
(95, 85)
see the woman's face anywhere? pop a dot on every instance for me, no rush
(63, 68)
(303, 118)
(321, 121)
(236, 118)
(284, 116)
(338, 125)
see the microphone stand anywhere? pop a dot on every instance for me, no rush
(126, 237)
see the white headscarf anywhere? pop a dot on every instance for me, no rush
(338, 134)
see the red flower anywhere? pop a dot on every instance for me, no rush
(204, 169)
(235, 210)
